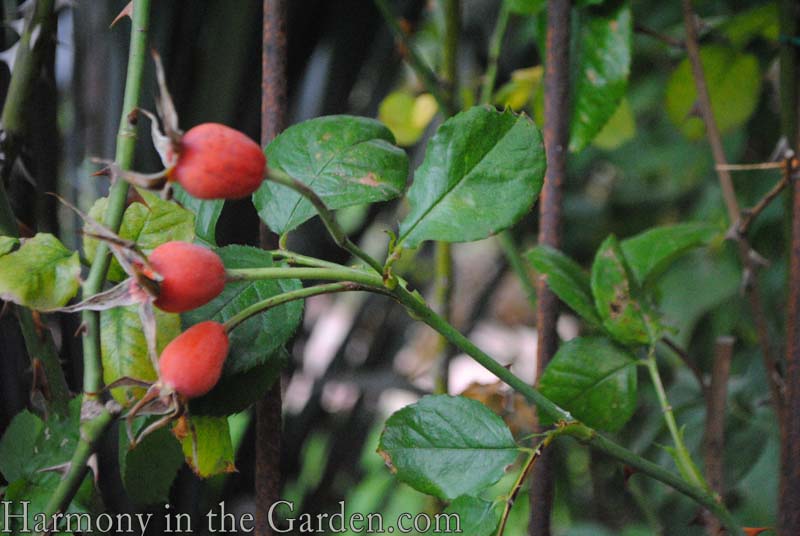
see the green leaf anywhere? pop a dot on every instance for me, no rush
(206, 213)
(407, 115)
(148, 470)
(259, 337)
(616, 296)
(8, 244)
(30, 446)
(124, 349)
(734, 85)
(149, 225)
(620, 129)
(603, 61)
(477, 517)
(761, 21)
(236, 392)
(593, 379)
(19, 441)
(447, 446)
(566, 279)
(482, 172)
(651, 252)
(41, 274)
(525, 7)
(212, 444)
(346, 160)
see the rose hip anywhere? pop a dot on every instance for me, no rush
(193, 275)
(218, 162)
(192, 363)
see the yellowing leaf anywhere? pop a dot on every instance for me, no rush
(41, 274)
(523, 86)
(407, 116)
(734, 85)
(619, 129)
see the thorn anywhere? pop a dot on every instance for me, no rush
(127, 11)
(38, 324)
(61, 469)
(82, 329)
(94, 467)
(628, 472)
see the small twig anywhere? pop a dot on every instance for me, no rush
(689, 362)
(752, 288)
(714, 438)
(664, 38)
(749, 215)
(523, 474)
(750, 167)
(426, 75)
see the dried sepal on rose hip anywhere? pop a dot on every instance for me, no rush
(210, 161)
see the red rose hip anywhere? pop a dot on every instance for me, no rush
(218, 162)
(192, 363)
(193, 275)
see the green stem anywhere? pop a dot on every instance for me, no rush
(286, 272)
(303, 260)
(452, 29)
(286, 297)
(425, 74)
(682, 457)
(95, 418)
(495, 44)
(126, 143)
(443, 281)
(422, 312)
(443, 294)
(27, 64)
(518, 265)
(90, 433)
(279, 177)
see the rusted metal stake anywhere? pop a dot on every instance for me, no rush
(269, 415)
(556, 140)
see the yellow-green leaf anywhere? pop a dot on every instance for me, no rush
(734, 85)
(41, 274)
(406, 115)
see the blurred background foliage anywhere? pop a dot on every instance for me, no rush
(358, 358)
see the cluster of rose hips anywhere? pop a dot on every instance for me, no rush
(210, 161)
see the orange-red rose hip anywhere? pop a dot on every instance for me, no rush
(193, 275)
(218, 162)
(192, 363)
